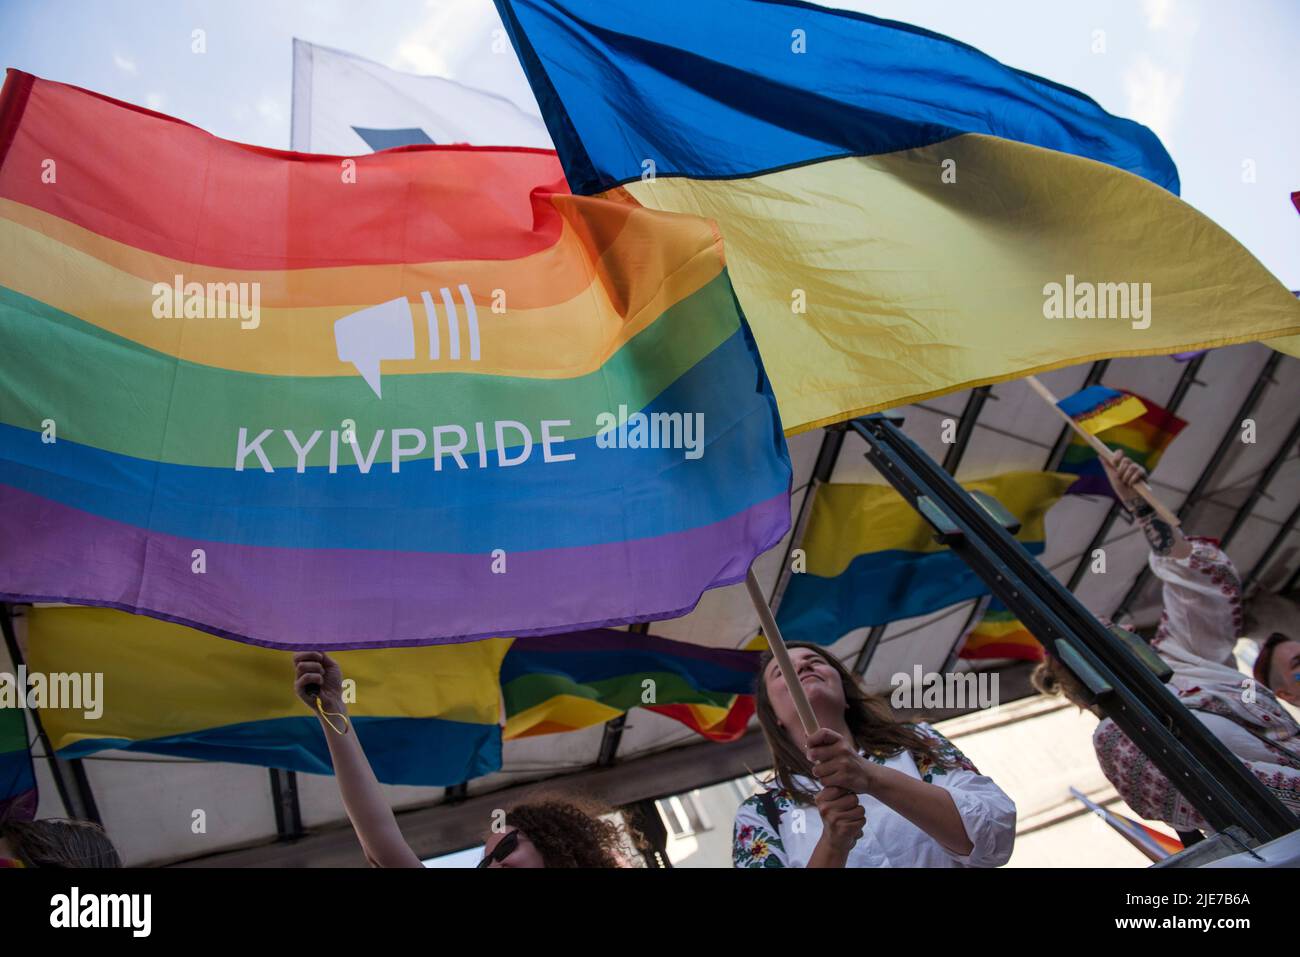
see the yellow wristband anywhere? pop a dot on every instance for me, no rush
(325, 716)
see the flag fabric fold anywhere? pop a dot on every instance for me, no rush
(564, 683)
(18, 795)
(904, 215)
(409, 397)
(719, 723)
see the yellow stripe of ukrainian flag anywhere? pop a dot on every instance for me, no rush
(163, 679)
(851, 520)
(913, 286)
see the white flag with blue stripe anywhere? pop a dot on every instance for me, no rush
(346, 105)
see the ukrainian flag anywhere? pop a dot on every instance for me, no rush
(897, 206)
(426, 716)
(873, 559)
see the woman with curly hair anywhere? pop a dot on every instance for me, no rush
(884, 793)
(546, 831)
(555, 831)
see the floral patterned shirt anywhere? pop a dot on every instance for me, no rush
(889, 839)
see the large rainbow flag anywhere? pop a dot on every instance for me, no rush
(425, 716)
(904, 215)
(1143, 438)
(568, 682)
(416, 396)
(873, 559)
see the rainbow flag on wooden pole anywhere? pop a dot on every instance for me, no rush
(1096, 417)
(1143, 439)
(1156, 845)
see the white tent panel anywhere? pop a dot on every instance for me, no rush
(150, 805)
(926, 640)
(647, 732)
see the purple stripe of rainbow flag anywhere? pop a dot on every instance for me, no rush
(283, 595)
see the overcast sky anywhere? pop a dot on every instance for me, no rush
(1218, 82)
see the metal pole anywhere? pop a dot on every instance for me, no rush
(1125, 685)
(823, 468)
(969, 416)
(1262, 564)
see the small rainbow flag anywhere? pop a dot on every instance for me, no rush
(567, 682)
(1143, 439)
(410, 397)
(1098, 408)
(1000, 634)
(1156, 845)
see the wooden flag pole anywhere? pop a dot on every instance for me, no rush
(1102, 449)
(781, 654)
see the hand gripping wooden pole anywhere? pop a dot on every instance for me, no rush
(781, 654)
(1103, 450)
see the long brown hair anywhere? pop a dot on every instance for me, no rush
(869, 717)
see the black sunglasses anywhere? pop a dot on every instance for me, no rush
(505, 847)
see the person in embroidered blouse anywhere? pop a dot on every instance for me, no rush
(1199, 625)
(866, 790)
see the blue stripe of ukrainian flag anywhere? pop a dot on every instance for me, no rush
(711, 90)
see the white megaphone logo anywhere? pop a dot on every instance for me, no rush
(375, 333)
(386, 331)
